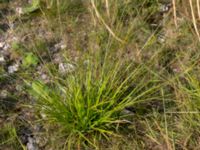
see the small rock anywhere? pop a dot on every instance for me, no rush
(19, 11)
(44, 116)
(164, 8)
(24, 132)
(2, 59)
(2, 44)
(12, 25)
(60, 45)
(19, 88)
(41, 141)
(66, 68)
(42, 113)
(39, 68)
(4, 94)
(127, 112)
(15, 39)
(44, 76)
(161, 38)
(63, 46)
(6, 46)
(31, 145)
(13, 68)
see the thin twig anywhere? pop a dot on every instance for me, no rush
(183, 112)
(107, 8)
(198, 8)
(194, 20)
(174, 13)
(104, 23)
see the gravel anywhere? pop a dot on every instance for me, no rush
(164, 8)
(66, 68)
(13, 68)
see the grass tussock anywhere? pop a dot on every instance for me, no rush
(90, 101)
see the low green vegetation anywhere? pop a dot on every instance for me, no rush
(89, 102)
(9, 138)
(99, 74)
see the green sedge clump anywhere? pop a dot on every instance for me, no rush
(91, 98)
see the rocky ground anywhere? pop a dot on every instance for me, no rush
(12, 67)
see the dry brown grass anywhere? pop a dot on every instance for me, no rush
(100, 18)
(194, 19)
(191, 10)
